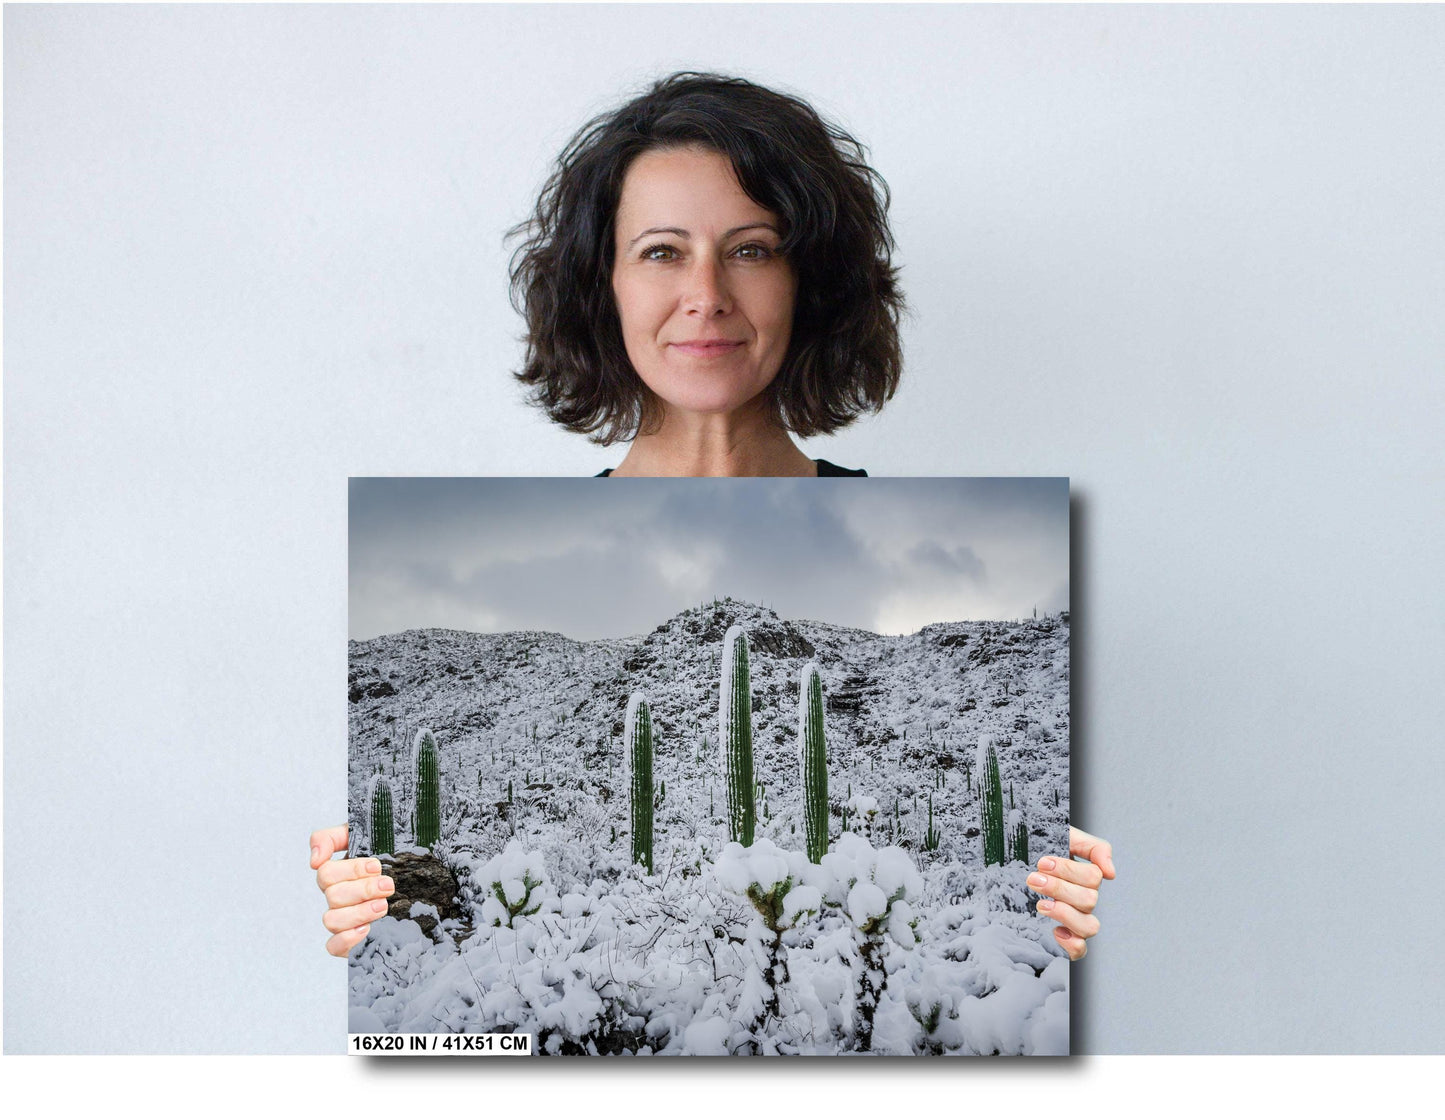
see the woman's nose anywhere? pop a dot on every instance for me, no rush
(707, 290)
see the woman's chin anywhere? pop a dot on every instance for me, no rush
(700, 402)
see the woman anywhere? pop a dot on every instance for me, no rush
(707, 273)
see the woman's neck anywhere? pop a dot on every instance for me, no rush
(733, 445)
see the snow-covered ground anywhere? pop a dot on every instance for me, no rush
(887, 945)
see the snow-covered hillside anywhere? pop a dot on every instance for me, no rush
(534, 790)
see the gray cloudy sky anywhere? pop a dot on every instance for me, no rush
(594, 558)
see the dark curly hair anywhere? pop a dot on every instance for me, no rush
(844, 355)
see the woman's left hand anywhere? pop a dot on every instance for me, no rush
(1071, 888)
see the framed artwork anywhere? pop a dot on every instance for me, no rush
(711, 766)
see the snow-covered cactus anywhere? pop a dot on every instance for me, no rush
(991, 802)
(516, 886)
(813, 762)
(932, 837)
(875, 890)
(735, 743)
(383, 835)
(783, 888)
(864, 809)
(638, 736)
(1018, 836)
(426, 814)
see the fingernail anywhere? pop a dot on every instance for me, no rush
(315, 853)
(1046, 904)
(362, 931)
(1046, 864)
(373, 867)
(379, 906)
(387, 886)
(1038, 880)
(1062, 933)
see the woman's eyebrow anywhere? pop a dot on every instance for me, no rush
(682, 233)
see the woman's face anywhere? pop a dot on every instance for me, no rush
(705, 300)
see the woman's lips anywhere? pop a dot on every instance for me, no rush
(706, 349)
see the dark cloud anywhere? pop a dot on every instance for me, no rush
(613, 557)
(961, 561)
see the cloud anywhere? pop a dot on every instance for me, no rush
(611, 558)
(932, 557)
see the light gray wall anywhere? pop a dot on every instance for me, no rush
(1193, 258)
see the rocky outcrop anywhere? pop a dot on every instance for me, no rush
(421, 877)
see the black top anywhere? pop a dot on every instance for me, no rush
(825, 470)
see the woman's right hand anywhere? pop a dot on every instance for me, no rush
(355, 889)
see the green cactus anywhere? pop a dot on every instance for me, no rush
(1021, 842)
(991, 803)
(427, 811)
(933, 837)
(735, 717)
(639, 748)
(383, 836)
(813, 760)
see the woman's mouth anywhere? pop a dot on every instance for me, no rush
(708, 348)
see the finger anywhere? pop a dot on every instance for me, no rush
(343, 918)
(1093, 849)
(1074, 870)
(1082, 899)
(342, 943)
(334, 871)
(1072, 943)
(350, 892)
(326, 842)
(1083, 925)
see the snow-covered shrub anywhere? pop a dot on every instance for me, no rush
(876, 889)
(382, 835)
(735, 742)
(638, 737)
(516, 885)
(426, 811)
(813, 762)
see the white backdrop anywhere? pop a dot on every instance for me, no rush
(1193, 258)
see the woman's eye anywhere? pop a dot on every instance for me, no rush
(659, 253)
(754, 251)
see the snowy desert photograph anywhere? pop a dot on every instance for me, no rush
(711, 766)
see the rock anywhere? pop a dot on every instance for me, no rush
(421, 878)
(848, 696)
(376, 690)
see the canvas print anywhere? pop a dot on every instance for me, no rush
(712, 766)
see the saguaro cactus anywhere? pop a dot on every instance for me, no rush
(932, 838)
(383, 835)
(991, 803)
(638, 736)
(735, 742)
(1018, 837)
(427, 808)
(813, 762)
